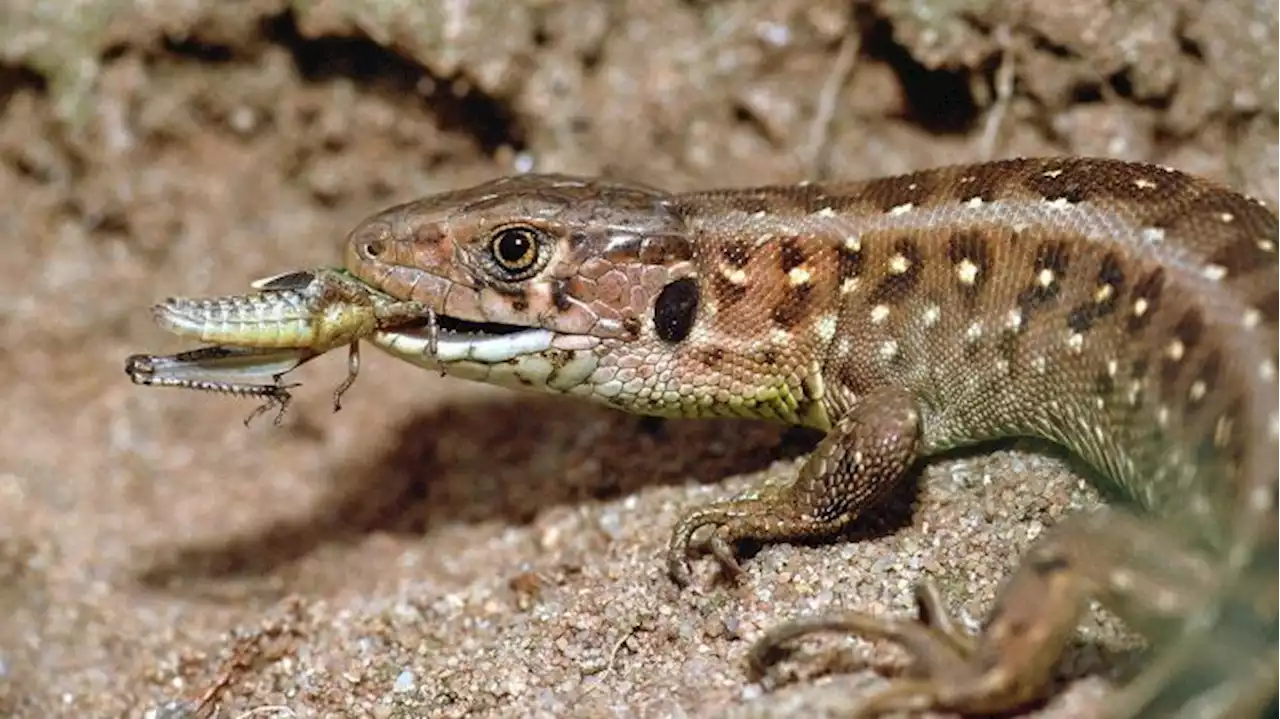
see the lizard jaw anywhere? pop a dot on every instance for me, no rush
(461, 340)
(524, 359)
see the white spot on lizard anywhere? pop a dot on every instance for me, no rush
(1222, 431)
(888, 350)
(827, 327)
(1135, 392)
(1121, 580)
(1267, 371)
(1214, 273)
(1076, 342)
(1013, 319)
(1260, 498)
(931, 315)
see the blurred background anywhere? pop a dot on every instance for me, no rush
(442, 549)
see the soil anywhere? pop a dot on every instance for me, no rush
(443, 549)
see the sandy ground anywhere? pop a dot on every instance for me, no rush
(437, 548)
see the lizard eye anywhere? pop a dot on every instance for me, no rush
(515, 248)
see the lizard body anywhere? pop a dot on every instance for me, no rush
(1127, 312)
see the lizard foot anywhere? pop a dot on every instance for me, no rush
(730, 522)
(947, 672)
(864, 455)
(1220, 652)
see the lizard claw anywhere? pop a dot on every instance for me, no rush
(682, 544)
(724, 553)
(679, 570)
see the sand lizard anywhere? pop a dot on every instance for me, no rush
(1127, 312)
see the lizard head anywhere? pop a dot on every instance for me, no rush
(562, 284)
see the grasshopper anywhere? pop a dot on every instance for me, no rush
(289, 320)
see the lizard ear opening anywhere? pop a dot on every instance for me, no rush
(676, 309)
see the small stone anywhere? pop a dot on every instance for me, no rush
(404, 682)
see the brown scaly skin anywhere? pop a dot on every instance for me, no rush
(1127, 312)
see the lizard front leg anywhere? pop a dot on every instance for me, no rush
(1131, 566)
(865, 454)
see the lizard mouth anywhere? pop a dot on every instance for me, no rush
(497, 353)
(454, 328)
(458, 340)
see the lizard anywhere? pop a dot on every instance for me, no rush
(1127, 312)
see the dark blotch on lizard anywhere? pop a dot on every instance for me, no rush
(850, 261)
(1106, 296)
(676, 309)
(794, 306)
(736, 253)
(971, 246)
(1148, 292)
(791, 255)
(1064, 184)
(1052, 257)
(899, 284)
(727, 292)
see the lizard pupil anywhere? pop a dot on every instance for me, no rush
(515, 248)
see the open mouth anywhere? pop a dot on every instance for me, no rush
(456, 340)
(458, 329)
(467, 328)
